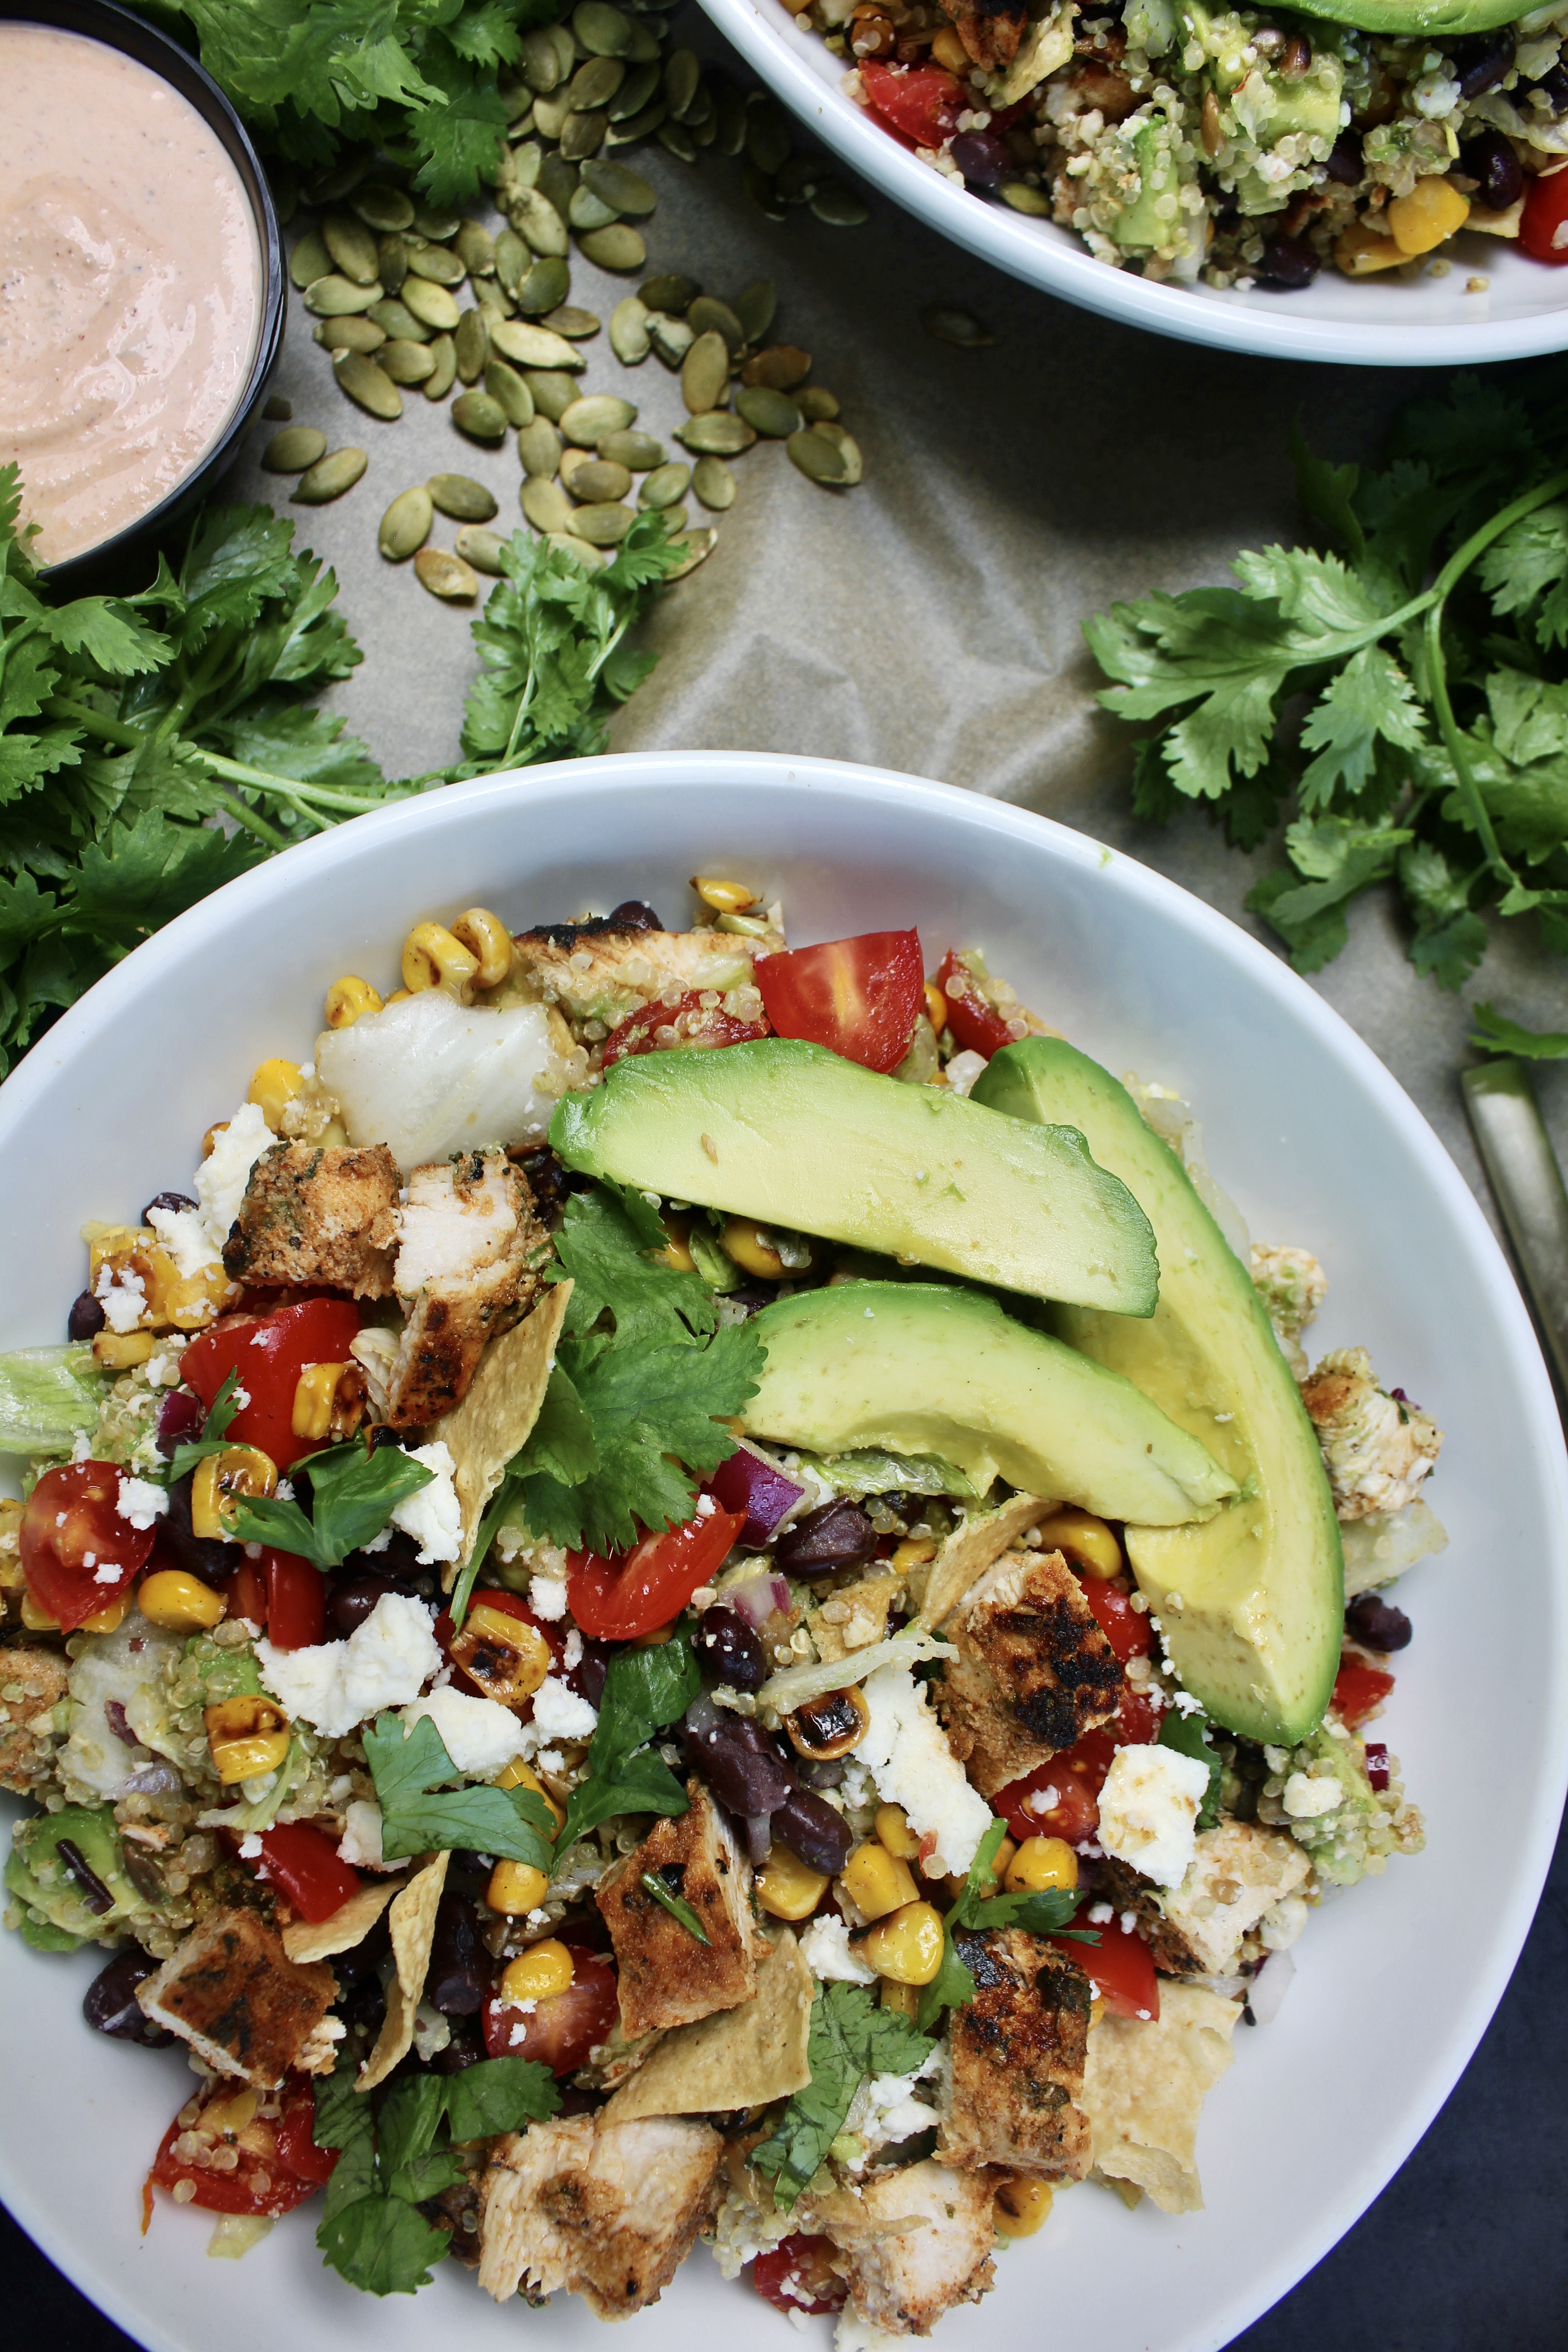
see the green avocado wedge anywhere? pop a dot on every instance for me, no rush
(1414, 20)
(917, 1368)
(795, 1136)
(1251, 1603)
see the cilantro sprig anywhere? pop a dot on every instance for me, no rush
(675, 1905)
(353, 1494)
(850, 2038)
(420, 1815)
(644, 1690)
(1047, 1913)
(221, 1411)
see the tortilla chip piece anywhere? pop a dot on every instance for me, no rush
(970, 1550)
(1143, 2088)
(350, 1923)
(737, 2058)
(412, 1921)
(855, 1618)
(497, 1415)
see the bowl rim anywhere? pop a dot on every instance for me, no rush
(768, 40)
(212, 922)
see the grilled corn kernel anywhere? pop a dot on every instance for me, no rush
(948, 50)
(828, 1727)
(519, 1775)
(246, 1737)
(516, 1888)
(786, 1889)
(677, 1250)
(505, 1655)
(876, 1882)
(116, 1352)
(1084, 1540)
(915, 1551)
(432, 958)
(893, 1830)
(750, 1250)
(219, 1479)
(1432, 211)
(655, 1639)
(1021, 2206)
(1040, 1862)
(1360, 250)
(936, 1007)
(273, 1088)
(904, 1998)
(315, 1392)
(485, 936)
(906, 1945)
(399, 996)
(179, 1602)
(534, 1975)
(107, 1619)
(724, 897)
(348, 998)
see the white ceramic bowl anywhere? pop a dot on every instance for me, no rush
(1375, 323)
(1316, 1143)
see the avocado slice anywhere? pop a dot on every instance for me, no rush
(918, 1368)
(1250, 1603)
(793, 1135)
(38, 1875)
(1413, 20)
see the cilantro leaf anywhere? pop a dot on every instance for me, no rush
(850, 2038)
(409, 1766)
(604, 1244)
(352, 1496)
(1449, 940)
(1369, 698)
(1495, 1034)
(644, 1691)
(500, 2095)
(382, 2244)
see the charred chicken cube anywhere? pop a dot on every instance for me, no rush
(470, 1250)
(318, 1213)
(913, 2243)
(1034, 1671)
(231, 1991)
(667, 1977)
(609, 2211)
(1017, 2059)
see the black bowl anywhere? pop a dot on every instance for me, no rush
(127, 560)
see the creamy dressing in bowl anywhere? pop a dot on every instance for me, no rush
(130, 285)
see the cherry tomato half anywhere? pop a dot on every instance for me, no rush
(1359, 1691)
(307, 1867)
(245, 1593)
(566, 2026)
(1078, 1775)
(281, 2155)
(859, 997)
(977, 1027)
(694, 1022)
(269, 1352)
(646, 1587)
(922, 103)
(797, 2275)
(1125, 1628)
(296, 1600)
(77, 1552)
(1121, 1967)
(1543, 224)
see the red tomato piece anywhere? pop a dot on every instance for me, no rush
(296, 2149)
(1121, 1967)
(922, 103)
(566, 2026)
(269, 1352)
(1359, 1691)
(1078, 1775)
(308, 1868)
(296, 1600)
(694, 1024)
(245, 1594)
(1543, 224)
(77, 1552)
(977, 1027)
(797, 2275)
(1125, 1628)
(618, 1599)
(265, 2150)
(859, 997)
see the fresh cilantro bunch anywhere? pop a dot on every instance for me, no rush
(354, 1492)
(1397, 691)
(850, 2038)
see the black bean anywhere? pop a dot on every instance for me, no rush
(363, 1960)
(837, 1535)
(981, 157)
(465, 2049)
(812, 1830)
(353, 1598)
(741, 1763)
(1345, 164)
(1288, 263)
(1480, 62)
(110, 2004)
(182, 1416)
(173, 1201)
(1553, 89)
(547, 1181)
(396, 1564)
(364, 2002)
(635, 915)
(588, 1676)
(729, 1650)
(1377, 1623)
(85, 1320)
(458, 1977)
(1489, 159)
(205, 1557)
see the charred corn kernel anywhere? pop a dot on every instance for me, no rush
(245, 1737)
(534, 1975)
(893, 1830)
(1040, 1862)
(1361, 251)
(219, 1127)
(936, 1002)
(751, 1249)
(432, 958)
(677, 1250)
(180, 1602)
(724, 897)
(506, 1656)
(116, 1352)
(786, 1889)
(1021, 2206)
(107, 1619)
(519, 1775)
(1085, 1540)
(1432, 211)
(348, 998)
(876, 1882)
(904, 1998)
(906, 1945)
(485, 936)
(516, 1888)
(399, 996)
(315, 1393)
(222, 1477)
(914, 1551)
(273, 1088)
(657, 1639)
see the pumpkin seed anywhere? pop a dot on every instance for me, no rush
(352, 335)
(431, 304)
(816, 404)
(582, 134)
(600, 482)
(444, 352)
(285, 193)
(406, 362)
(573, 462)
(628, 331)
(849, 450)
(367, 385)
(800, 178)
(960, 327)
(445, 575)
(675, 521)
(717, 434)
(391, 263)
(587, 420)
(729, 113)
(435, 224)
(634, 94)
(481, 415)
(595, 83)
(706, 315)
(551, 114)
(670, 291)
(603, 526)
(352, 246)
(665, 484)
(760, 188)
(545, 287)
(520, 167)
(538, 63)
(482, 549)
(682, 72)
(619, 185)
(704, 129)
(644, 49)
(290, 451)
(532, 346)
(714, 484)
(328, 477)
(471, 343)
(276, 409)
(590, 558)
(566, 49)
(618, 248)
(436, 266)
(382, 206)
(518, 103)
(545, 503)
(642, 125)
(754, 307)
(553, 391)
(536, 220)
(704, 374)
(511, 259)
(539, 447)
(475, 248)
(459, 496)
(781, 367)
(698, 112)
(576, 325)
(588, 211)
(309, 260)
(334, 298)
(406, 525)
(767, 135)
(1023, 197)
(694, 547)
(395, 317)
(333, 182)
(676, 141)
(504, 384)
(818, 458)
(672, 338)
(773, 414)
(603, 31)
(638, 452)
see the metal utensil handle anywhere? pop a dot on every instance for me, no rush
(1524, 1174)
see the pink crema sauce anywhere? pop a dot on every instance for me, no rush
(130, 285)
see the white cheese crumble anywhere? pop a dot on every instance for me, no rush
(183, 1234)
(547, 1597)
(122, 1297)
(963, 1071)
(225, 1172)
(1304, 1798)
(884, 2109)
(479, 1733)
(250, 1847)
(824, 1949)
(336, 1686)
(140, 1502)
(434, 1516)
(906, 1752)
(559, 1714)
(1149, 1810)
(360, 1841)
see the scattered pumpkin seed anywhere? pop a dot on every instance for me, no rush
(539, 447)
(531, 346)
(459, 496)
(603, 526)
(714, 484)
(576, 325)
(536, 221)
(816, 404)
(591, 558)
(773, 414)
(276, 409)
(481, 415)
(545, 503)
(553, 391)
(636, 89)
(545, 287)
(406, 362)
(518, 100)
(406, 525)
(672, 338)
(730, 118)
(587, 420)
(628, 331)
(513, 259)
(594, 83)
(333, 182)
(819, 459)
(566, 48)
(309, 260)
(1025, 197)
(704, 373)
(618, 185)
(669, 291)
(625, 131)
(328, 477)
(600, 482)
(837, 206)
(352, 246)
(475, 248)
(445, 575)
(382, 206)
(356, 333)
(435, 224)
(482, 549)
(849, 450)
(471, 342)
(798, 179)
(637, 452)
(436, 266)
(704, 128)
(676, 520)
(538, 62)
(438, 384)
(755, 307)
(676, 141)
(694, 547)
(767, 135)
(603, 31)
(552, 114)
(573, 461)
(644, 45)
(368, 385)
(781, 367)
(717, 434)
(391, 263)
(290, 451)
(706, 315)
(618, 248)
(665, 485)
(431, 304)
(504, 384)
(759, 186)
(395, 317)
(588, 211)
(334, 298)
(960, 327)
(682, 72)
(582, 134)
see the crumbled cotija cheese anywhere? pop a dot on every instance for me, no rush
(1149, 1810)
(335, 1685)
(434, 1516)
(824, 1949)
(140, 1502)
(906, 1752)
(479, 1733)
(223, 1175)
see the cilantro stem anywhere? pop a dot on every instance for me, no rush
(651, 1884)
(463, 1590)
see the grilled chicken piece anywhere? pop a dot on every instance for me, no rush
(318, 1213)
(1034, 1671)
(1017, 2060)
(466, 1268)
(917, 2242)
(609, 2211)
(990, 30)
(1376, 1448)
(1238, 1872)
(232, 1992)
(667, 1977)
(32, 1684)
(625, 966)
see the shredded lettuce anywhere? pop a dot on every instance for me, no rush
(49, 1396)
(871, 1472)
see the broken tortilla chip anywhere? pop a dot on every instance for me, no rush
(854, 1618)
(738, 2058)
(497, 1416)
(1144, 2089)
(350, 1923)
(970, 1550)
(412, 1920)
